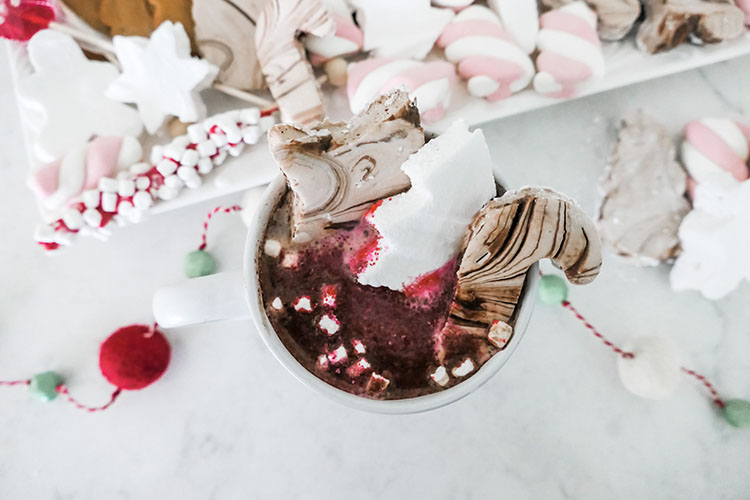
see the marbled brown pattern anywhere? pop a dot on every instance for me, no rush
(338, 170)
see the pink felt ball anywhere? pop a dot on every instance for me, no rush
(134, 356)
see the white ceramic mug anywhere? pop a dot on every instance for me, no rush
(226, 296)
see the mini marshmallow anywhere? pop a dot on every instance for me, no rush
(157, 154)
(440, 376)
(206, 148)
(236, 150)
(205, 165)
(251, 134)
(192, 180)
(499, 334)
(358, 368)
(142, 200)
(167, 193)
(189, 158)
(92, 217)
(166, 167)
(323, 361)
(196, 133)
(186, 173)
(91, 198)
(174, 150)
(466, 367)
(329, 323)
(108, 185)
(272, 248)
(125, 208)
(338, 355)
(277, 304)
(303, 304)
(219, 158)
(173, 181)
(142, 183)
(140, 168)
(377, 383)
(219, 139)
(126, 187)
(250, 116)
(266, 123)
(73, 219)
(290, 259)
(230, 129)
(109, 202)
(358, 346)
(451, 179)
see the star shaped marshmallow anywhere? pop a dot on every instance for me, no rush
(160, 76)
(64, 101)
(394, 28)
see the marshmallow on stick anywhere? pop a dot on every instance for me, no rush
(58, 183)
(570, 52)
(421, 230)
(485, 54)
(714, 146)
(429, 83)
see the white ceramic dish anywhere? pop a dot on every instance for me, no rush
(231, 296)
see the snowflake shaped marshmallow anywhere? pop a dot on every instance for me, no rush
(64, 99)
(715, 239)
(394, 28)
(160, 76)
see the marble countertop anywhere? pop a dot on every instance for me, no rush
(227, 422)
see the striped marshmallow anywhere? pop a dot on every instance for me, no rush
(570, 52)
(714, 145)
(486, 55)
(58, 183)
(430, 83)
(456, 5)
(348, 38)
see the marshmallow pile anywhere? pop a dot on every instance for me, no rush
(421, 230)
(127, 195)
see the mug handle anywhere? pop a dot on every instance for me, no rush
(216, 297)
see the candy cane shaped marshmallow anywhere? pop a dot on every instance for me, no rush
(430, 83)
(486, 55)
(58, 183)
(714, 145)
(348, 38)
(570, 52)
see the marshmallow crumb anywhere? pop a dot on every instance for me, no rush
(329, 296)
(276, 304)
(499, 334)
(323, 361)
(329, 324)
(466, 367)
(272, 248)
(303, 304)
(356, 369)
(440, 376)
(338, 355)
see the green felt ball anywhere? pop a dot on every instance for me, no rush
(552, 290)
(43, 386)
(199, 263)
(737, 412)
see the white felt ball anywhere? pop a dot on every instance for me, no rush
(654, 370)
(251, 202)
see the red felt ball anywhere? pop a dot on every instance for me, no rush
(134, 356)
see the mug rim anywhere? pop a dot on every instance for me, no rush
(254, 297)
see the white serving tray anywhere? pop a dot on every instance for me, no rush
(625, 65)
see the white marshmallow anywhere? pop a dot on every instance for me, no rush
(329, 324)
(196, 134)
(140, 168)
(126, 187)
(250, 116)
(207, 148)
(466, 367)
(189, 158)
(277, 304)
(108, 185)
(251, 134)
(142, 200)
(166, 167)
(205, 165)
(92, 217)
(109, 202)
(173, 181)
(91, 198)
(72, 219)
(421, 229)
(440, 376)
(272, 248)
(142, 183)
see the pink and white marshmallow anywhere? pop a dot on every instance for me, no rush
(486, 55)
(59, 183)
(430, 83)
(715, 145)
(520, 18)
(744, 6)
(570, 52)
(455, 5)
(348, 38)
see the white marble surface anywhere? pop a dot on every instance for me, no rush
(227, 422)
